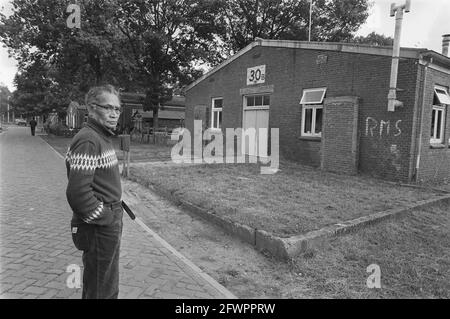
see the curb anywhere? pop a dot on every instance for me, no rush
(285, 249)
(433, 189)
(294, 246)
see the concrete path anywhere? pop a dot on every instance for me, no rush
(37, 256)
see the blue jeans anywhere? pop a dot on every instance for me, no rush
(101, 249)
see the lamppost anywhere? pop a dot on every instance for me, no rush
(397, 11)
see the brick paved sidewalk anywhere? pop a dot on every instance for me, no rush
(36, 248)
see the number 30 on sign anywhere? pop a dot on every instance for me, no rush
(256, 75)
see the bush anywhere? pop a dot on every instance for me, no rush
(59, 129)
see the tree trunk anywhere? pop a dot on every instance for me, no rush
(155, 122)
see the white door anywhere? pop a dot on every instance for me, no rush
(256, 144)
(249, 141)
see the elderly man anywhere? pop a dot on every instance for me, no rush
(94, 194)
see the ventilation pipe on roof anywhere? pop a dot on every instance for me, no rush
(397, 11)
(445, 44)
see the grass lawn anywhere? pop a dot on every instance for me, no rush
(140, 152)
(295, 200)
(413, 255)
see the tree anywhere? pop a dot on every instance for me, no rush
(35, 94)
(243, 21)
(4, 95)
(374, 38)
(151, 46)
(96, 53)
(338, 20)
(71, 60)
(166, 39)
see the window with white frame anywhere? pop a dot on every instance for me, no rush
(257, 101)
(437, 127)
(440, 101)
(312, 111)
(216, 113)
(441, 94)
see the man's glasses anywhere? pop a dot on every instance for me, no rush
(110, 108)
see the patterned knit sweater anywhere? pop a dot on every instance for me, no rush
(93, 175)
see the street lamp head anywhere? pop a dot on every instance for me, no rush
(408, 6)
(394, 7)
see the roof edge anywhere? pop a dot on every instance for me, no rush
(411, 53)
(345, 47)
(223, 64)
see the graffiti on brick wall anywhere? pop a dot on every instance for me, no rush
(395, 157)
(389, 156)
(375, 128)
(385, 158)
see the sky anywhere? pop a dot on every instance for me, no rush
(422, 27)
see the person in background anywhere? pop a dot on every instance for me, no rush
(94, 193)
(33, 125)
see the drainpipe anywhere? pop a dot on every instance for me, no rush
(419, 148)
(396, 10)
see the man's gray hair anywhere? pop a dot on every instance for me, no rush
(95, 92)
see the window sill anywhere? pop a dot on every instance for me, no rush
(437, 146)
(310, 138)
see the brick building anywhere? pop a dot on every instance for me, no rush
(76, 115)
(170, 115)
(329, 101)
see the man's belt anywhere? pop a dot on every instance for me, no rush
(115, 205)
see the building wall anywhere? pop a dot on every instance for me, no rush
(340, 135)
(434, 161)
(385, 137)
(125, 120)
(81, 116)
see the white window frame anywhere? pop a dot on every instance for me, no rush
(306, 91)
(258, 107)
(314, 109)
(216, 111)
(443, 97)
(439, 108)
(314, 106)
(434, 139)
